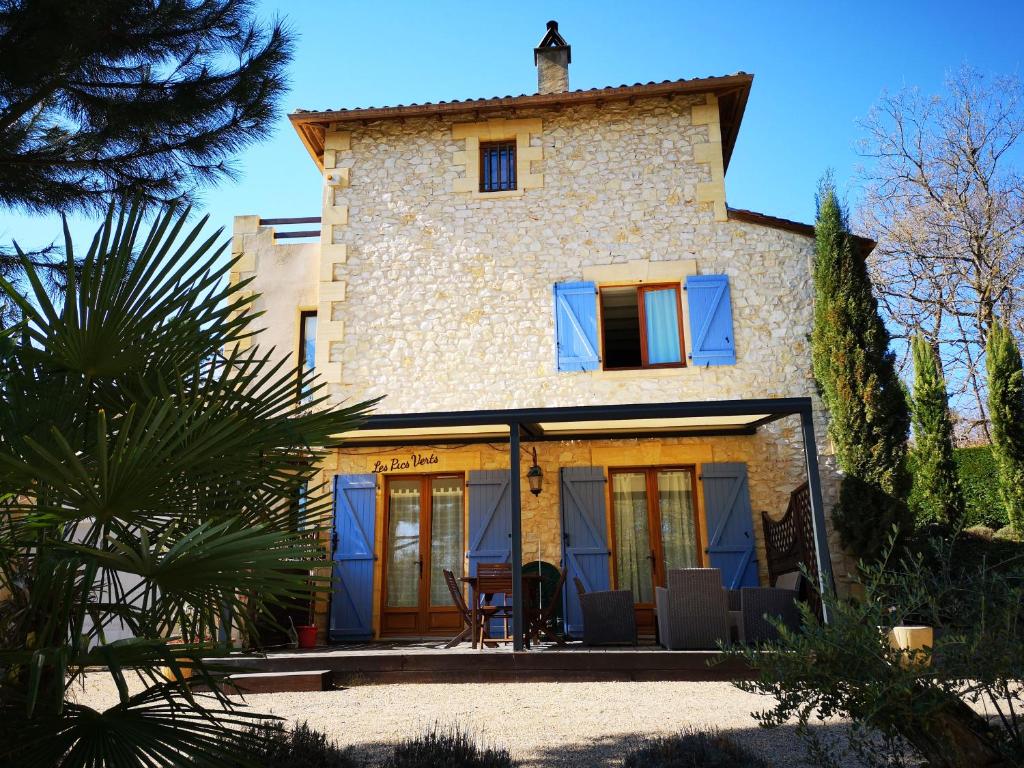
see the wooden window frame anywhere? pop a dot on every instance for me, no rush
(651, 479)
(486, 146)
(642, 289)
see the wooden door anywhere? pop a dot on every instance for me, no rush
(423, 536)
(655, 528)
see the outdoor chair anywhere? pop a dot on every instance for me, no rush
(756, 603)
(493, 579)
(608, 616)
(693, 611)
(470, 624)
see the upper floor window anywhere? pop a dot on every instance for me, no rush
(307, 352)
(497, 166)
(641, 326)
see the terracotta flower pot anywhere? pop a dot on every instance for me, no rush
(307, 636)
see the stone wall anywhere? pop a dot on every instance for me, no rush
(448, 296)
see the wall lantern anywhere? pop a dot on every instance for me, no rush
(534, 476)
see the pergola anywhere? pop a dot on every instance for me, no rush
(596, 422)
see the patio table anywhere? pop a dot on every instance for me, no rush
(529, 617)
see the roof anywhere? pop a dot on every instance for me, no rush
(865, 244)
(732, 92)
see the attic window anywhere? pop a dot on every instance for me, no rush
(497, 166)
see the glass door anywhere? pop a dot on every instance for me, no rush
(654, 528)
(424, 536)
(447, 552)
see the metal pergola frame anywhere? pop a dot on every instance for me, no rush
(524, 425)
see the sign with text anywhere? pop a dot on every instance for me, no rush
(396, 464)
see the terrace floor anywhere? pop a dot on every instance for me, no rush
(427, 661)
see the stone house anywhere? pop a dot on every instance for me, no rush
(547, 285)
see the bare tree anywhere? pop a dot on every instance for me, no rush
(946, 205)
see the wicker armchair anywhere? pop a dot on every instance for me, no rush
(757, 602)
(693, 612)
(608, 616)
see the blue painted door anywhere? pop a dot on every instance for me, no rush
(585, 552)
(355, 513)
(730, 523)
(490, 523)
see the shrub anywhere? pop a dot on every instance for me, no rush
(979, 480)
(693, 749)
(270, 744)
(446, 749)
(980, 532)
(904, 707)
(1007, 533)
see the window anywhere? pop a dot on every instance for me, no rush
(497, 166)
(641, 327)
(307, 353)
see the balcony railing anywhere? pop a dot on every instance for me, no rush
(290, 234)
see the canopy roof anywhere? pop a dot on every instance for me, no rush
(588, 422)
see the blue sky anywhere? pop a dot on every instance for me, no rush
(818, 69)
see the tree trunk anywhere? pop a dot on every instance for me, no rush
(956, 737)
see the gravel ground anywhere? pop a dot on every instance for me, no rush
(555, 725)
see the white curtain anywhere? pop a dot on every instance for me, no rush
(632, 535)
(446, 522)
(678, 531)
(403, 548)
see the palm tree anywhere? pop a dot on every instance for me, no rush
(149, 475)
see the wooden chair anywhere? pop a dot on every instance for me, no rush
(468, 616)
(540, 624)
(492, 579)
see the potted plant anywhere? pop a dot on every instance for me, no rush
(306, 633)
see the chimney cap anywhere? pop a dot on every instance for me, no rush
(553, 40)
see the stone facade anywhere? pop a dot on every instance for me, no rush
(440, 298)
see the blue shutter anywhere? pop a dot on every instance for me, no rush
(355, 515)
(490, 522)
(576, 326)
(710, 320)
(585, 552)
(490, 517)
(730, 523)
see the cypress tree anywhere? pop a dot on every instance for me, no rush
(1006, 411)
(856, 374)
(937, 496)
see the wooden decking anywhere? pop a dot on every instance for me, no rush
(428, 662)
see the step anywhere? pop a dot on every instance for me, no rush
(283, 682)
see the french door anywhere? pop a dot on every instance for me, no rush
(424, 531)
(655, 527)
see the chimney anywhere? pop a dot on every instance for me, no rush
(552, 58)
